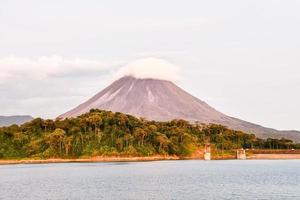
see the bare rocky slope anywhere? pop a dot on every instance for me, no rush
(18, 119)
(162, 100)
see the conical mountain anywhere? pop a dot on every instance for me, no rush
(162, 100)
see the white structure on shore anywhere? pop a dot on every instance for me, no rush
(207, 151)
(241, 154)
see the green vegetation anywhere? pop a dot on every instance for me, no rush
(102, 133)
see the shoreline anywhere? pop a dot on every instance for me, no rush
(142, 159)
(274, 157)
(89, 160)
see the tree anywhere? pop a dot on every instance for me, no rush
(68, 144)
(140, 134)
(163, 141)
(96, 120)
(55, 140)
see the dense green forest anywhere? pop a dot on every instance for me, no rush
(103, 133)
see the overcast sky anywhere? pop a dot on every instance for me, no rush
(241, 57)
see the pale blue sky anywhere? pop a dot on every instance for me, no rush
(241, 57)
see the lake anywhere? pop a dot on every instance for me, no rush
(251, 179)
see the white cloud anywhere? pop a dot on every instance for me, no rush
(150, 68)
(46, 66)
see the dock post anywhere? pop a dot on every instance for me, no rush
(241, 154)
(207, 151)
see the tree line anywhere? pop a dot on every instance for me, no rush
(104, 133)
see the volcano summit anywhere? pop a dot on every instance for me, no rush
(162, 100)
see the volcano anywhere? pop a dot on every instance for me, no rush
(162, 100)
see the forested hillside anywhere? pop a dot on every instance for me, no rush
(102, 133)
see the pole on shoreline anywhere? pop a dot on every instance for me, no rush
(241, 154)
(207, 151)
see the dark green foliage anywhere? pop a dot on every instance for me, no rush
(102, 133)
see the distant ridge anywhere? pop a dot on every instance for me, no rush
(17, 119)
(162, 100)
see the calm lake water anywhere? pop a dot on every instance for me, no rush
(255, 179)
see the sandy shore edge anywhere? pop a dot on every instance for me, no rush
(89, 160)
(141, 159)
(274, 156)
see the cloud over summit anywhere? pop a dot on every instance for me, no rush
(151, 67)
